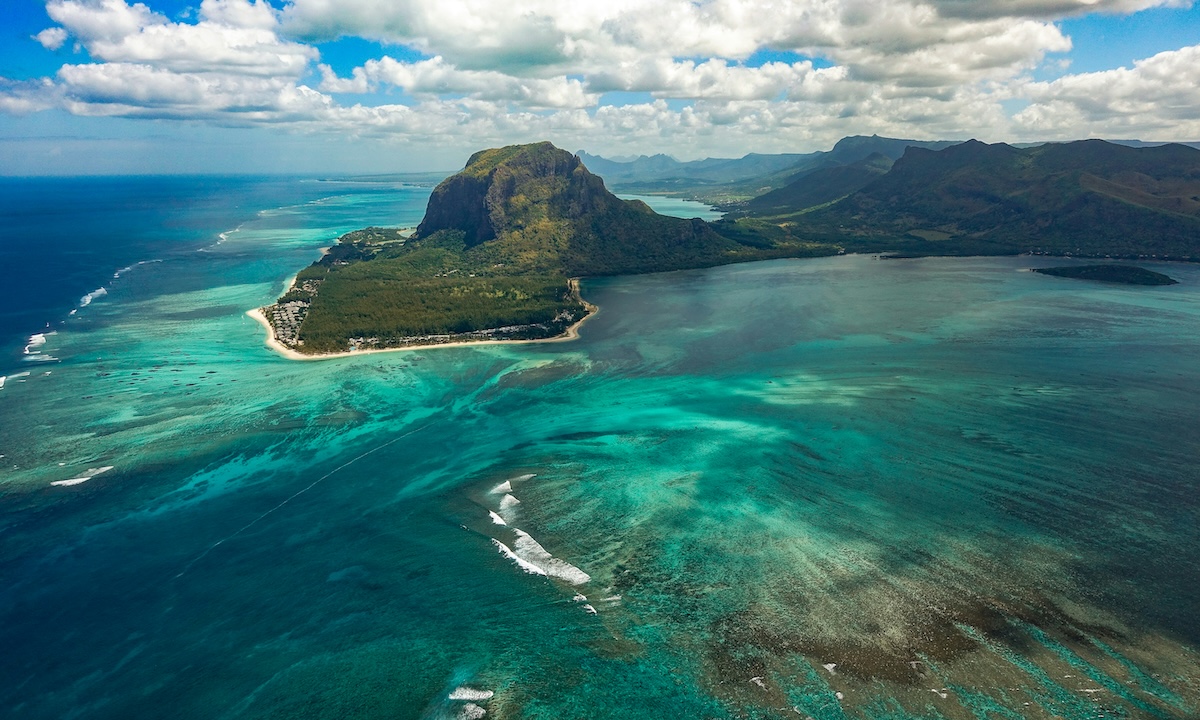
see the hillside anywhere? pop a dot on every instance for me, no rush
(667, 170)
(820, 186)
(493, 257)
(1088, 198)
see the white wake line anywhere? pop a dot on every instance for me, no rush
(314, 483)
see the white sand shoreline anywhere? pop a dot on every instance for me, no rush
(272, 341)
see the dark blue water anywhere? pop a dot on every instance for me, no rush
(61, 238)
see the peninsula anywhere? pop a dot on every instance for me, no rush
(497, 258)
(504, 241)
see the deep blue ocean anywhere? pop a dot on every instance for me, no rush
(830, 488)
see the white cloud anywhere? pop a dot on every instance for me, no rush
(437, 77)
(23, 98)
(525, 69)
(232, 35)
(1048, 8)
(51, 38)
(102, 20)
(1158, 95)
(712, 79)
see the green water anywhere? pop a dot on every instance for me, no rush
(967, 490)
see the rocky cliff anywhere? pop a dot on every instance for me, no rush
(538, 205)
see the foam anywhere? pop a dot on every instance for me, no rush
(463, 692)
(222, 237)
(2, 379)
(504, 487)
(531, 550)
(471, 711)
(93, 295)
(525, 565)
(523, 478)
(34, 342)
(127, 268)
(589, 609)
(508, 501)
(495, 518)
(72, 481)
(88, 475)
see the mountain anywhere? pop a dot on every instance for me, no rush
(492, 258)
(820, 186)
(538, 208)
(730, 182)
(665, 170)
(1088, 197)
(856, 148)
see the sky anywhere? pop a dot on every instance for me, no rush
(377, 86)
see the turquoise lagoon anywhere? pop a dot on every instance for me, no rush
(832, 488)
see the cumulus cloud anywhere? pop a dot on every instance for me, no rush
(1047, 8)
(1159, 93)
(51, 38)
(437, 77)
(232, 35)
(505, 72)
(23, 98)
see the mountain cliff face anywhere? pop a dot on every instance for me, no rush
(500, 189)
(538, 207)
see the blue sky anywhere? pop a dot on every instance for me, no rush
(111, 86)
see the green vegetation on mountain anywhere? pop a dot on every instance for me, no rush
(1083, 198)
(1124, 274)
(821, 186)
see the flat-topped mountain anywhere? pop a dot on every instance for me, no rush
(536, 207)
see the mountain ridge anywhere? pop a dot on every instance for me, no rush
(1086, 197)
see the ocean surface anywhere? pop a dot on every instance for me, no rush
(834, 488)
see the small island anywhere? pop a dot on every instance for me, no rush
(1110, 273)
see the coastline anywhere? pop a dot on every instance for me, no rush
(571, 333)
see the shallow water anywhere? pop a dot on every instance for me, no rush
(677, 207)
(832, 488)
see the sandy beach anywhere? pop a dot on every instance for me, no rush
(273, 342)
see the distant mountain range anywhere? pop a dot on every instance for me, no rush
(728, 182)
(1088, 198)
